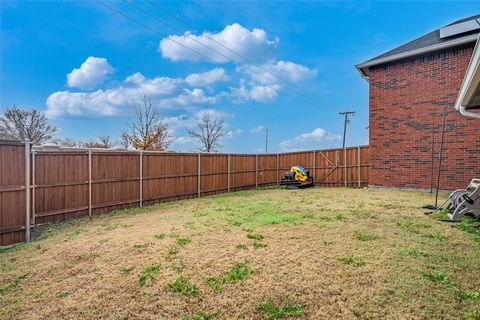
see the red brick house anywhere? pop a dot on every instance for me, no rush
(410, 87)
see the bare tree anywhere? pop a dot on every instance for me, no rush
(210, 129)
(125, 141)
(106, 142)
(91, 143)
(148, 131)
(67, 142)
(19, 124)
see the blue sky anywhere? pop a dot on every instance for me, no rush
(85, 65)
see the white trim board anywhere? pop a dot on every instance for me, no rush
(469, 95)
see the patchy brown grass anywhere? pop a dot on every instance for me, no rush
(317, 253)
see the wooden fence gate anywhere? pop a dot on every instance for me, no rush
(50, 185)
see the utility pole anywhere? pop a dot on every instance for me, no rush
(345, 122)
(266, 140)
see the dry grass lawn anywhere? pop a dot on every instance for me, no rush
(323, 253)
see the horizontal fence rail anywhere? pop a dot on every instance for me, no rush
(41, 186)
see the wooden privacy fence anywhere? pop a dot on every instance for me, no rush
(69, 183)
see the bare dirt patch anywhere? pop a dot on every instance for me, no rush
(309, 254)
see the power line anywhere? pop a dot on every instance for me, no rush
(235, 52)
(277, 77)
(324, 102)
(176, 29)
(152, 30)
(188, 25)
(195, 40)
(167, 37)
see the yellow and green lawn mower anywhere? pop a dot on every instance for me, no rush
(298, 177)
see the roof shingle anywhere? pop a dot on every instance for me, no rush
(426, 40)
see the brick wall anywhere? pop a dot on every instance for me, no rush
(406, 99)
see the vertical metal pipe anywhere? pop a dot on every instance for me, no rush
(345, 165)
(90, 184)
(278, 163)
(313, 166)
(256, 171)
(27, 190)
(198, 176)
(33, 189)
(359, 167)
(432, 158)
(440, 156)
(141, 178)
(228, 173)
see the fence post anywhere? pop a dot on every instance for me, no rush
(90, 184)
(228, 174)
(198, 176)
(141, 178)
(345, 165)
(256, 171)
(313, 166)
(359, 168)
(33, 189)
(278, 162)
(27, 190)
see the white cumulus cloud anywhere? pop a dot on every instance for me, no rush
(258, 93)
(188, 98)
(257, 129)
(309, 140)
(280, 71)
(212, 113)
(182, 140)
(163, 90)
(207, 78)
(234, 133)
(91, 73)
(185, 121)
(253, 44)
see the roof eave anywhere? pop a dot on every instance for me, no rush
(362, 67)
(362, 72)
